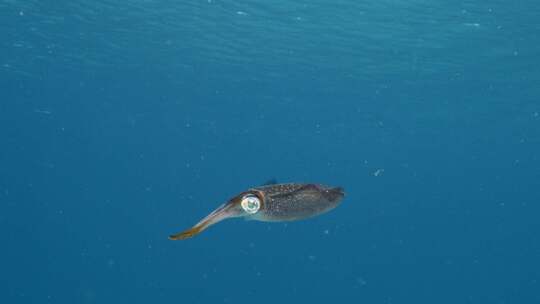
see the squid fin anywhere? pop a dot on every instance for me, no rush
(306, 187)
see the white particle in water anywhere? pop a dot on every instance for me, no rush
(360, 281)
(378, 172)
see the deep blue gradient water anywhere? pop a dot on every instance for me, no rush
(122, 122)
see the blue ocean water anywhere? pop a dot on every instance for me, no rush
(122, 122)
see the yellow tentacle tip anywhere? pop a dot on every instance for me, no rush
(185, 234)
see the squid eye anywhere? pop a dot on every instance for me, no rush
(251, 203)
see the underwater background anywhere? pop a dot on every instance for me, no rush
(122, 122)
